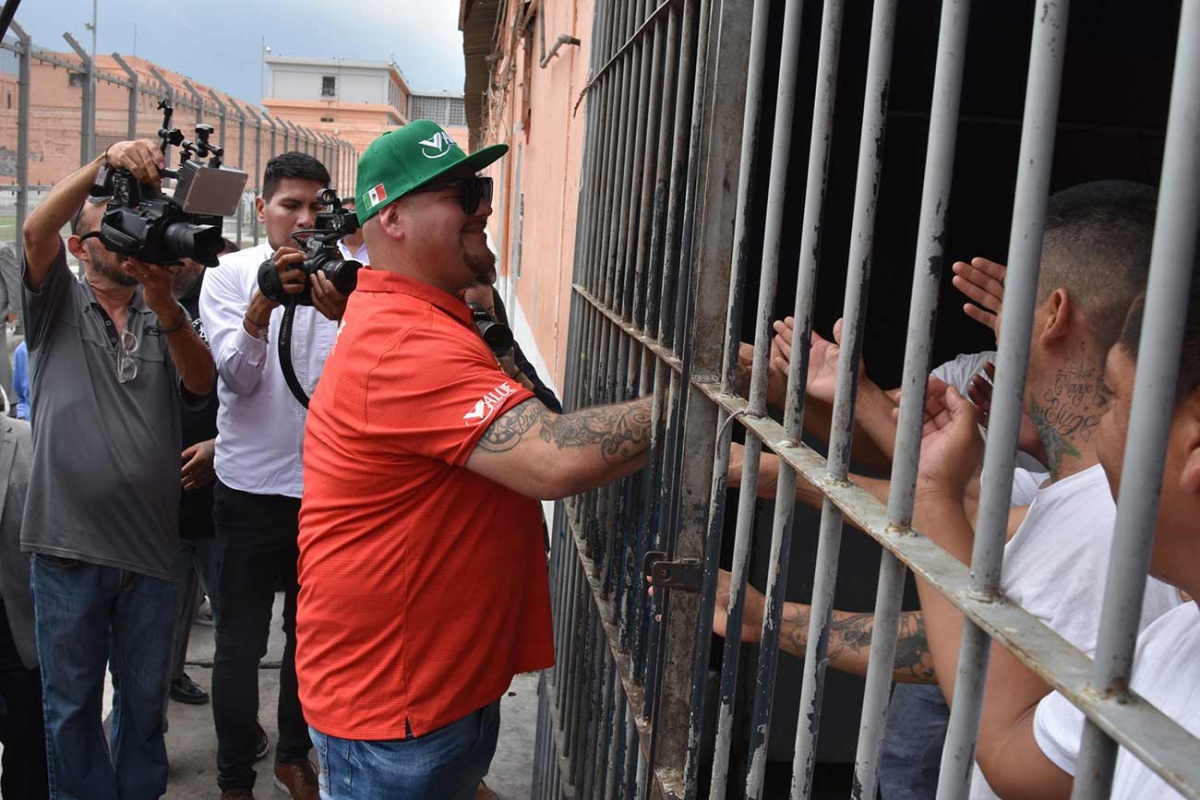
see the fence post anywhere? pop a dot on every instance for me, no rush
(271, 149)
(87, 135)
(223, 111)
(198, 98)
(23, 73)
(134, 88)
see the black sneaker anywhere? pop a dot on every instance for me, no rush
(185, 690)
(262, 744)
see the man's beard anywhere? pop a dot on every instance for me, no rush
(480, 262)
(101, 258)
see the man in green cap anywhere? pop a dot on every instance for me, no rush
(423, 574)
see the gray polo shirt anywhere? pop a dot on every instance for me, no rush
(104, 486)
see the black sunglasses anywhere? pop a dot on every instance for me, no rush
(470, 191)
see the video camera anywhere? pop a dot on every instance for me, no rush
(144, 223)
(321, 254)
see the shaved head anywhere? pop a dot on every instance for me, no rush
(1096, 245)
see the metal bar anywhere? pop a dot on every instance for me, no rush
(131, 128)
(785, 502)
(24, 68)
(632, 38)
(1047, 52)
(684, 103)
(747, 494)
(87, 131)
(927, 272)
(658, 221)
(858, 274)
(1172, 262)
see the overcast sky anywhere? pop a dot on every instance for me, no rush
(221, 45)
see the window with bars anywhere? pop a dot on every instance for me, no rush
(446, 111)
(329, 86)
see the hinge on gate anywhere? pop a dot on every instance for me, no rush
(684, 574)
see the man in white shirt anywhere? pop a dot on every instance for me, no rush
(1082, 409)
(1029, 741)
(260, 476)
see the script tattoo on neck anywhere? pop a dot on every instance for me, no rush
(622, 432)
(1068, 411)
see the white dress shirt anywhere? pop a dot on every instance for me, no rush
(260, 425)
(359, 255)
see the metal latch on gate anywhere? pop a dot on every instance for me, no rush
(684, 574)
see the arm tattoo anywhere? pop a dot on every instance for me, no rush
(505, 433)
(850, 635)
(622, 431)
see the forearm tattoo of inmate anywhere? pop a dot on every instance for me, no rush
(622, 431)
(851, 634)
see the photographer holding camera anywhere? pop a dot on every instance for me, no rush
(260, 432)
(113, 355)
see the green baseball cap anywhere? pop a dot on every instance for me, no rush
(407, 158)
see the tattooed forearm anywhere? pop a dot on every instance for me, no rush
(914, 662)
(622, 432)
(849, 647)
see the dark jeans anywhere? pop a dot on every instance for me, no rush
(23, 769)
(197, 568)
(88, 616)
(912, 743)
(446, 764)
(246, 588)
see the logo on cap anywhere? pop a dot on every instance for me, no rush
(437, 145)
(376, 194)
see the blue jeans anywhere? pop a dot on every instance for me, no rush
(912, 742)
(446, 764)
(86, 616)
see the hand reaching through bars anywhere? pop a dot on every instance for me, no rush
(768, 471)
(951, 449)
(776, 378)
(822, 360)
(982, 281)
(752, 613)
(980, 392)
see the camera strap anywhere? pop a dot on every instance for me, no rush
(285, 355)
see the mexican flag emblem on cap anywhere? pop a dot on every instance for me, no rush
(377, 194)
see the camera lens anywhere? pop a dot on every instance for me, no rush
(200, 242)
(343, 275)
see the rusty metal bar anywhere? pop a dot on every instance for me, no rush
(927, 273)
(1024, 252)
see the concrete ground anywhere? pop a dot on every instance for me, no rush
(192, 743)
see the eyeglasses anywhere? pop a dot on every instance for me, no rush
(470, 191)
(127, 367)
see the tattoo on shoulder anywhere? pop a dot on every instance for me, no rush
(621, 431)
(505, 432)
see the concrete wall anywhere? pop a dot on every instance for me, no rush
(543, 165)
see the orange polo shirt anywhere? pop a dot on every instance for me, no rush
(423, 586)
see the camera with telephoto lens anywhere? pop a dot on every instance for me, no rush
(496, 334)
(143, 223)
(321, 254)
